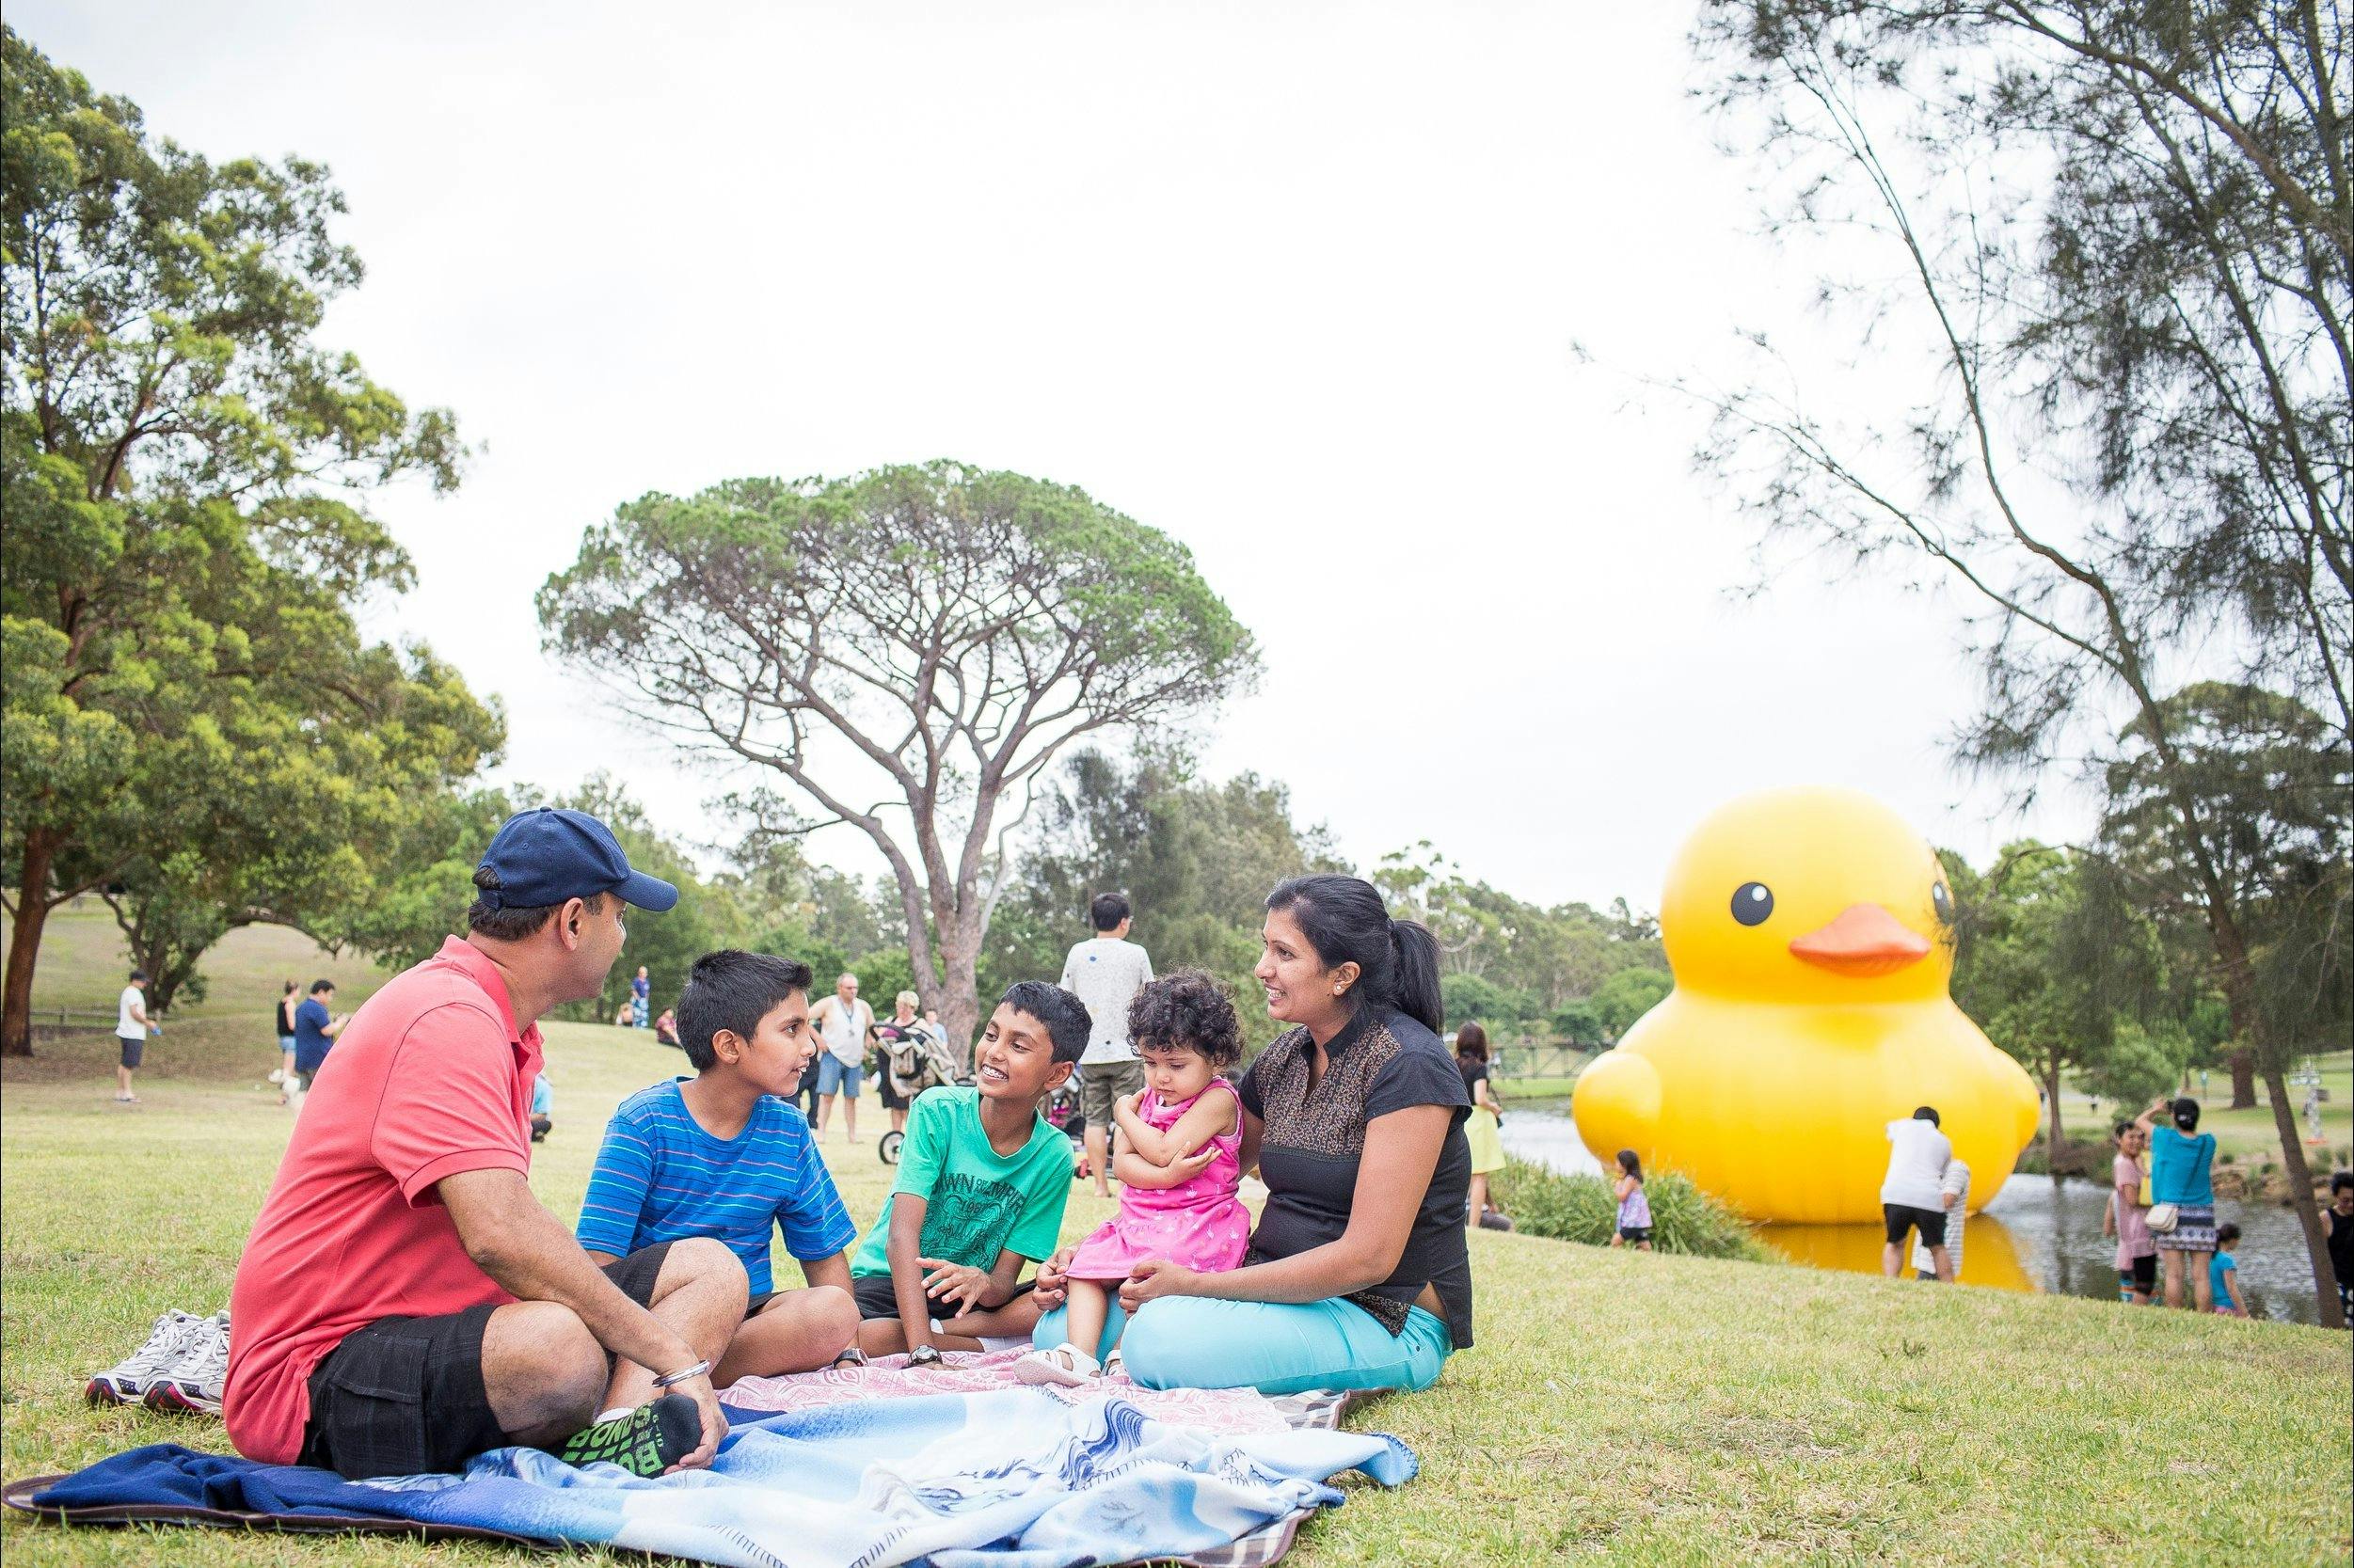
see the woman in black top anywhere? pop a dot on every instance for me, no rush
(1357, 1276)
(285, 1073)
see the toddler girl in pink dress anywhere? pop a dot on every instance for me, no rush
(1179, 1160)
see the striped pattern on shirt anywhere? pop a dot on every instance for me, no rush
(660, 1177)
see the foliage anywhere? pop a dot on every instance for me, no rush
(2052, 960)
(2120, 249)
(1196, 859)
(1583, 1208)
(900, 649)
(1627, 996)
(191, 716)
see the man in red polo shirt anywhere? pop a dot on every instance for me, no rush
(405, 1302)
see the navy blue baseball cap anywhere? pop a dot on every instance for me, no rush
(545, 856)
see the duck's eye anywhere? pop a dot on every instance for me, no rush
(1942, 901)
(1752, 903)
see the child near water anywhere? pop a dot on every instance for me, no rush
(2223, 1274)
(1179, 1160)
(1635, 1208)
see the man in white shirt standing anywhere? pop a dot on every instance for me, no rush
(845, 1024)
(1912, 1197)
(131, 1026)
(1105, 971)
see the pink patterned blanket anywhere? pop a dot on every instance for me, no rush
(1233, 1411)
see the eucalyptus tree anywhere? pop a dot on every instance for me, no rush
(904, 651)
(182, 467)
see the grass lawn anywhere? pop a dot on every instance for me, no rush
(1619, 1407)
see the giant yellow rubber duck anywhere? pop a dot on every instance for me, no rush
(1810, 932)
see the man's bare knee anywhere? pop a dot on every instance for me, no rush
(698, 1259)
(541, 1369)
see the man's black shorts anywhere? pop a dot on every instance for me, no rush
(1930, 1223)
(872, 1292)
(132, 1050)
(404, 1396)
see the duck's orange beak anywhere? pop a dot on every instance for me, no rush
(1864, 940)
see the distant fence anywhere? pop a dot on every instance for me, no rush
(68, 1020)
(1540, 1059)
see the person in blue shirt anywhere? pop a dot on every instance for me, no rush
(724, 1154)
(542, 1108)
(315, 1028)
(2182, 1164)
(2223, 1274)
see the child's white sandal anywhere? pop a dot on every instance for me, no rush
(1066, 1366)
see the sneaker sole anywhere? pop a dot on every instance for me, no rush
(100, 1390)
(169, 1397)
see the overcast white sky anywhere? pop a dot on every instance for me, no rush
(1296, 284)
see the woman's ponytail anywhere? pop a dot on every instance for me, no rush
(1414, 974)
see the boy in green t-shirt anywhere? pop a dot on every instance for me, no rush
(984, 1178)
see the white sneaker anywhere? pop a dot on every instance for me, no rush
(278, 1076)
(127, 1381)
(1066, 1366)
(192, 1386)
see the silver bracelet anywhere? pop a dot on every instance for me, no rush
(701, 1369)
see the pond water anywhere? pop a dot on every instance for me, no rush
(2038, 1234)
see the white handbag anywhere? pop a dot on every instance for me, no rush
(2163, 1217)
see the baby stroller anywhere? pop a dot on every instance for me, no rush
(917, 1061)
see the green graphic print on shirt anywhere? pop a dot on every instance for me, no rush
(968, 1218)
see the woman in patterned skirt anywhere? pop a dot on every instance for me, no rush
(2182, 1159)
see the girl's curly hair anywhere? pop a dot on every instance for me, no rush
(1185, 1007)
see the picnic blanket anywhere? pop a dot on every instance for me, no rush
(1232, 1411)
(1013, 1477)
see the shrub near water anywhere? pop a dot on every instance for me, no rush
(1583, 1208)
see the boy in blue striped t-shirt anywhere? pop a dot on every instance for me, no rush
(724, 1154)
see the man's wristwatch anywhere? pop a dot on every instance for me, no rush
(924, 1355)
(701, 1369)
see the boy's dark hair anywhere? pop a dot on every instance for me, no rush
(1187, 1008)
(2227, 1231)
(318, 986)
(1064, 1015)
(734, 991)
(2340, 1182)
(2121, 1129)
(1927, 1114)
(1109, 911)
(502, 923)
(2186, 1114)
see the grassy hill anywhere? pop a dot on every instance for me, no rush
(1618, 1407)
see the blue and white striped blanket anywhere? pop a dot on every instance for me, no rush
(1018, 1478)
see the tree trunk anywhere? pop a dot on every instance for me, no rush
(2300, 1181)
(2243, 1065)
(2052, 1144)
(961, 1011)
(32, 913)
(2246, 1022)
